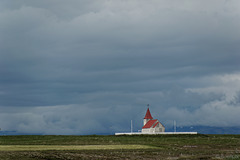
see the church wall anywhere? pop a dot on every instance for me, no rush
(145, 121)
(145, 130)
(152, 130)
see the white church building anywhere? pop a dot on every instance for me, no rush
(150, 125)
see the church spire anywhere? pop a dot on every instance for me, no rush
(148, 115)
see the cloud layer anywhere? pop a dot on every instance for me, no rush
(85, 67)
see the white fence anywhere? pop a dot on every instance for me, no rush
(140, 133)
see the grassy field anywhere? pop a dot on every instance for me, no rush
(71, 147)
(226, 147)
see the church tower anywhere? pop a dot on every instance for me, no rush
(147, 117)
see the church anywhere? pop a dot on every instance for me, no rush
(150, 125)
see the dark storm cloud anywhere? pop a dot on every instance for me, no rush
(63, 60)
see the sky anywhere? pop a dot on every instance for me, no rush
(89, 67)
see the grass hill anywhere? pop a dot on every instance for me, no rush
(120, 147)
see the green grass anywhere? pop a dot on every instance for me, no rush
(71, 147)
(121, 147)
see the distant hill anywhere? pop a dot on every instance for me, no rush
(8, 133)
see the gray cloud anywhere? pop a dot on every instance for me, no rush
(114, 57)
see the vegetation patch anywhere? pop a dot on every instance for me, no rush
(71, 147)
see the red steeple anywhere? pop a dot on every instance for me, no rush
(148, 115)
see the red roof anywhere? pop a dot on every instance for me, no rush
(150, 123)
(148, 115)
(155, 124)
